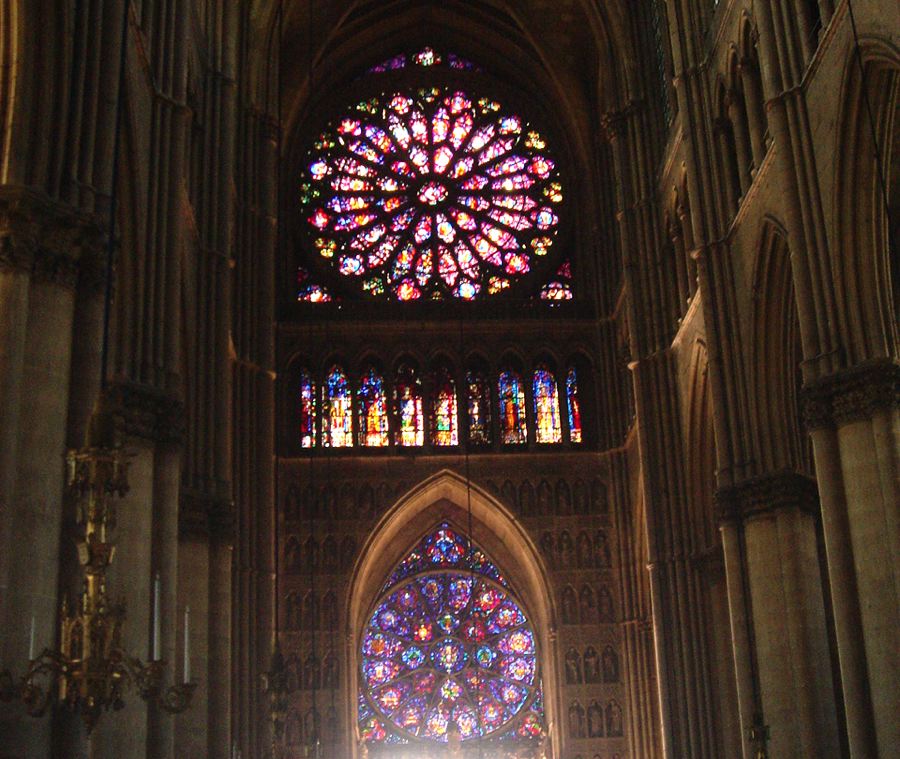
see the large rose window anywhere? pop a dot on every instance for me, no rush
(447, 643)
(431, 192)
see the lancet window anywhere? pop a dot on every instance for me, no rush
(547, 423)
(408, 408)
(444, 416)
(513, 425)
(337, 410)
(307, 410)
(372, 409)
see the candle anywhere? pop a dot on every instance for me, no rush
(157, 620)
(187, 644)
(31, 641)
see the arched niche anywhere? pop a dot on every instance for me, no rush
(446, 496)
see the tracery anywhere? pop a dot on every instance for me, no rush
(447, 641)
(430, 192)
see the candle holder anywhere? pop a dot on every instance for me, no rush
(91, 672)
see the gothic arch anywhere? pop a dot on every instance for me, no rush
(775, 356)
(866, 279)
(445, 496)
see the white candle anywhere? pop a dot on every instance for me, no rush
(31, 641)
(157, 620)
(187, 644)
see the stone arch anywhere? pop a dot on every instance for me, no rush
(526, 499)
(584, 550)
(544, 499)
(776, 355)
(867, 278)
(447, 496)
(563, 498)
(330, 555)
(348, 551)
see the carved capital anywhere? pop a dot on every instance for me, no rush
(45, 237)
(149, 413)
(767, 494)
(851, 395)
(614, 123)
(206, 514)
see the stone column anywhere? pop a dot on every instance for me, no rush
(32, 465)
(125, 733)
(737, 114)
(856, 431)
(146, 537)
(778, 513)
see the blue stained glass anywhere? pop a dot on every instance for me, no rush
(508, 615)
(307, 410)
(574, 406)
(413, 657)
(444, 645)
(445, 548)
(485, 656)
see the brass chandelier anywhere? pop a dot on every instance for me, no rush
(90, 671)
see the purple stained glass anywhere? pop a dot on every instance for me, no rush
(431, 193)
(444, 645)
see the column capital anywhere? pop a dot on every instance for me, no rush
(206, 513)
(44, 237)
(767, 494)
(851, 395)
(614, 122)
(147, 412)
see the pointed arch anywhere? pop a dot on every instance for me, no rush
(775, 360)
(867, 277)
(445, 497)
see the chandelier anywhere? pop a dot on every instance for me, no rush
(90, 672)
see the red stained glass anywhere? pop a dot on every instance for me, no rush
(431, 193)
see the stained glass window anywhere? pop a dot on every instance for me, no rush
(373, 415)
(574, 406)
(444, 417)
(425, 58)
(309, 291)
(337, 412)
(431, 193)
(478, 402)
(447, 641)
(408, 404)
(307, 410)
(560, 287)
(548, 426)
(513, 427)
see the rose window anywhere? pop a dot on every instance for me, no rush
(430, 193)
(448, 643)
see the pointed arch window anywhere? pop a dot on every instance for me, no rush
(573, 405)
(408, 405)
(548, 426)
(448, 641)
(337, 412)
(444, 416)
(307, 410)
(513, 426)
(478, 407)
(372, 410)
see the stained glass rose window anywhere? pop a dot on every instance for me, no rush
(429, 193)
(447, 642)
